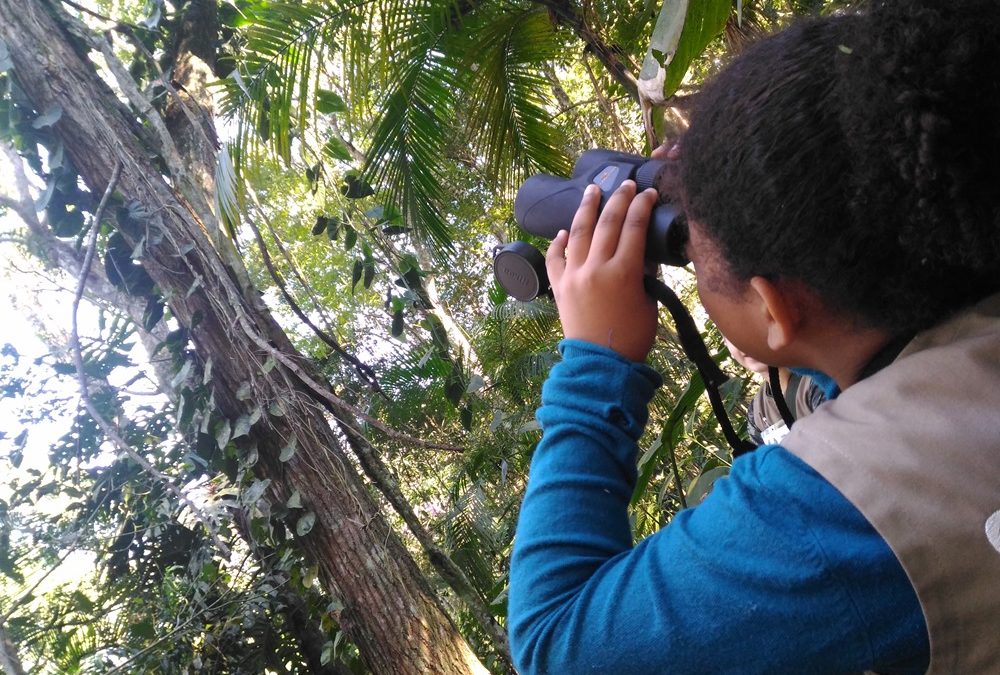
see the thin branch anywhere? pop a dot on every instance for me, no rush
(567, 14)
(26, 213)
(607, 107)
(118, 25)
(363, 369)
(28, 593)
(106, 426)
(339, 405)
(566, 104)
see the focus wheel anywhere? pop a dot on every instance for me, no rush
(648, 175)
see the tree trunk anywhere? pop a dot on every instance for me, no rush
(388, 609)
(9, 662)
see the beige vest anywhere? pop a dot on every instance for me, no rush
(916, 448)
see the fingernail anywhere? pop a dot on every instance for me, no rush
(625, 183)
(591, 189)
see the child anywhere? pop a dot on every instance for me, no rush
(840, 181)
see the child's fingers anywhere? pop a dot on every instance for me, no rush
(582, 229)
(609, 226)
(632, 243)
(555, 261)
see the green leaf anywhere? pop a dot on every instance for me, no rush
(336, 149)
(84, 604)
(356, 272)
(223, 433)
(58, 157)
(333, 229)
(43, 201)
(155, 14)
(305, 524)
(529, 427)
(329, 102)
(182, 374)
(702, 485)
(309, 576)
(143, 630)
(251, 456)
(227, 194)
(295, 501)
(255, 491)
(327, 654)
(355, 187)
(153, 313)
(194, 286)
(476, 383)
(454, 386)
(681, 33)
(313, 174)
(369, 265)
(244, 392)
(508, 101)
(670, 431)
(48, 118)
(242, 426)
(8, 566)
(350, 237)
(397, 323)
(288, 451)
(320, 226)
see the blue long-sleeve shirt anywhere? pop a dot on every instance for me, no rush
(775, 572)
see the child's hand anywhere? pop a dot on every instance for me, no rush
(596, 272)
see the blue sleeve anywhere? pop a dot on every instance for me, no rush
(775, 572)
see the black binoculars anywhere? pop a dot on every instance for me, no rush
(546, 204)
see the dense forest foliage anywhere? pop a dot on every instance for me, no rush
(283, 416)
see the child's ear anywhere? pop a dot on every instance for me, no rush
(780, 310)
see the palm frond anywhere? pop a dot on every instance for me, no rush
(517, 342)
(270, 94)
(406, 154)
(508, 100)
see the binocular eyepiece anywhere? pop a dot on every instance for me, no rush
(546, 204)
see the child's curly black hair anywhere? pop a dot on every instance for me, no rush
(860, 154)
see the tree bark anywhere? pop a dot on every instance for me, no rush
(9, 662)
(388, 609)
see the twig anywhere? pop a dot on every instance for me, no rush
(333, 403)
(20, 208)
(106, 426)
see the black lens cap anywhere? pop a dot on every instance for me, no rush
(520, 269)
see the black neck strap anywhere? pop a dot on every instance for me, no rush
(695, 349)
